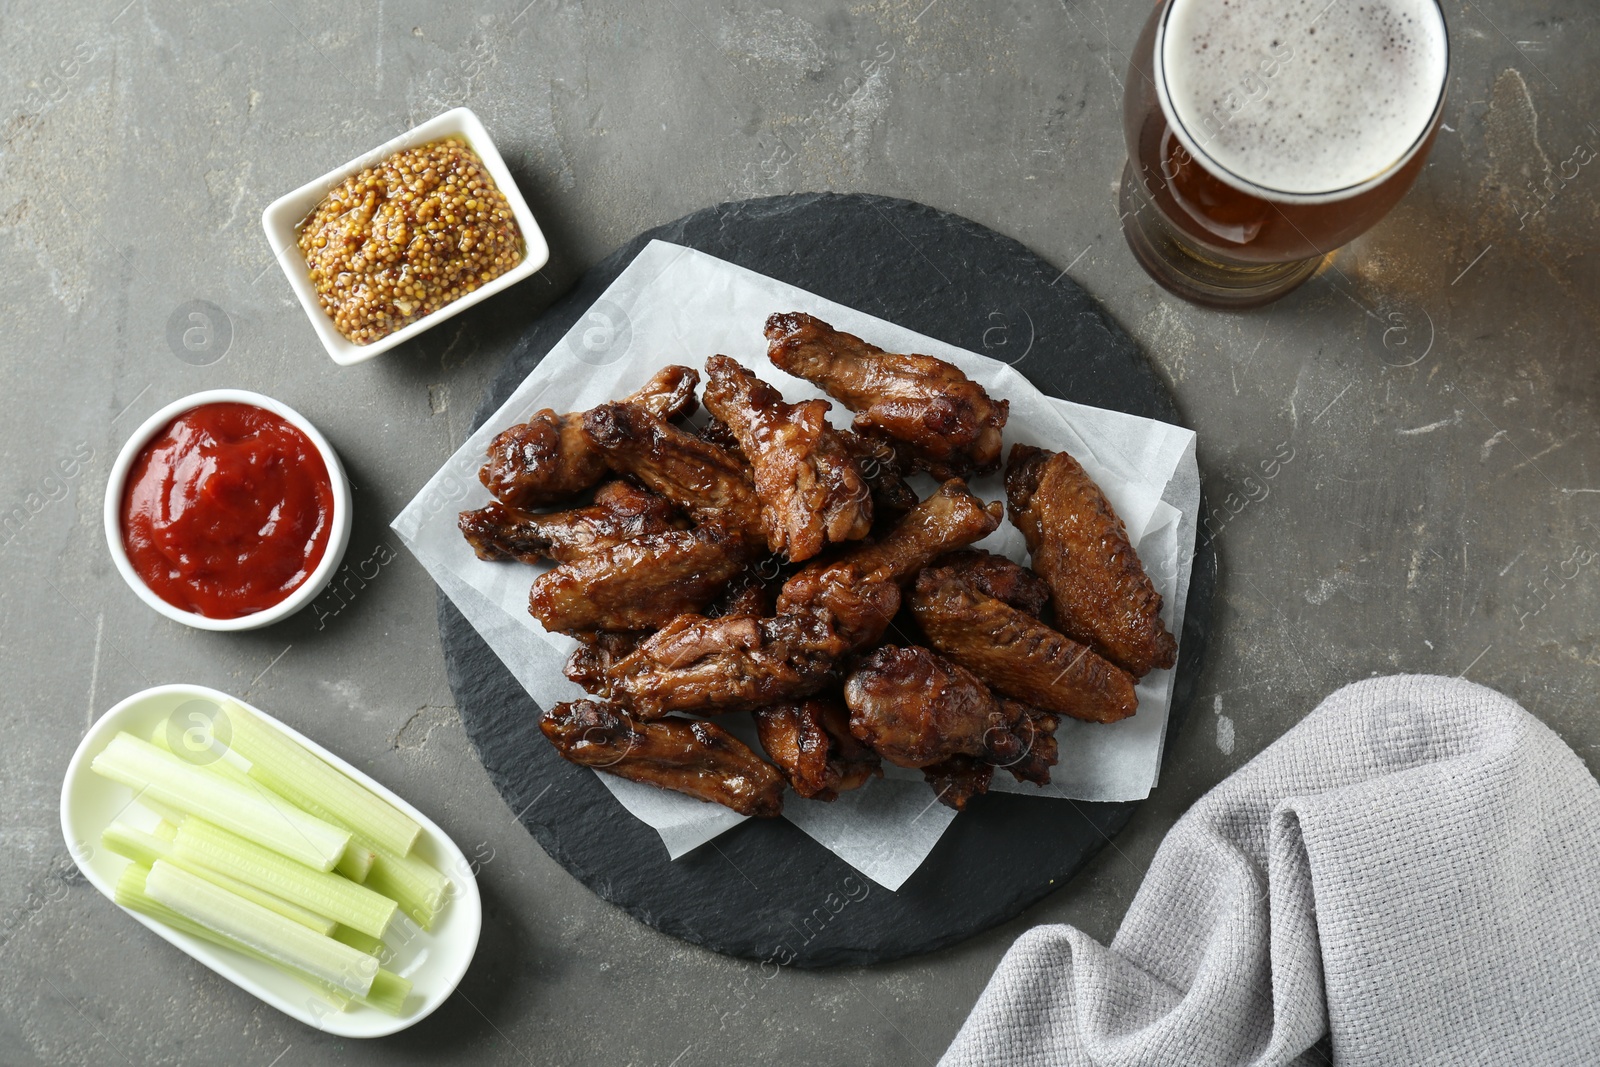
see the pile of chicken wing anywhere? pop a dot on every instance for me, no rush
(768, 563)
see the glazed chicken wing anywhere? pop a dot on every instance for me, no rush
(621, 511)
(549, 459)
(750, 593)
(829, 610)
(812, 493)
(698, 759)
(998, 577)
(884, 470)
(812, 746)
(958, 779)
(916, 709)
(1016, 653)
(948, 423)
(1037, 728)
(949, 519)
(1100, 591)
(735, 663)
(704, 480)
(639, 584)
(588, 663)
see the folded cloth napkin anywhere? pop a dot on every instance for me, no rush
(1413, 871)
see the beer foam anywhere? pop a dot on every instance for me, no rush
(1304, 96)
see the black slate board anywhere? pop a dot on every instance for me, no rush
(765, 891)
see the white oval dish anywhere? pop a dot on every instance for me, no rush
(338, 536)
(434, 961)
(282, 218)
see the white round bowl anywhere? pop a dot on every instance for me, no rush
(338, 536)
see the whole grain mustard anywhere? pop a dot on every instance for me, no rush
(407, 236)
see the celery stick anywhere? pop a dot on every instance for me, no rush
(230, 768)
(357, 859)
(419, 889)
(283, 765)
(144, 848)
(356, 863)
(170, 816)
(139, 846)
(287, 943)
(325, 893)
(253, 814)
(131, 894)
(409, 879)
(361, 942)
(388, 993)
(271, 901)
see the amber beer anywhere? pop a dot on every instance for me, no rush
(1264, 134)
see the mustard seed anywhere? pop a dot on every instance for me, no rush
(407, 236)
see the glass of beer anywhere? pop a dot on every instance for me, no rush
(1264, 134)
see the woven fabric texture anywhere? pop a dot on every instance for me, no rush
(1411, 875)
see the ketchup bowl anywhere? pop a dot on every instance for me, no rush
(225, 452)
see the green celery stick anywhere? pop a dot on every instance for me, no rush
(420, 890)
(145, 848)
(256, 815)
(325, 893)
(356, 863)
(286, 767)
(131, 894)
(281, 940)
(388, 993)
(361, 942)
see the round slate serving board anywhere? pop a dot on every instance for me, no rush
(764, 890)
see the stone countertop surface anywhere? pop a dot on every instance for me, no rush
(1401, 456)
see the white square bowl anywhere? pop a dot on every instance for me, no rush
(283, 216)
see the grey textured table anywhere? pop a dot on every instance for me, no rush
(1431, 403)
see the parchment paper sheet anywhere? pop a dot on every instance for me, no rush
(678, 305)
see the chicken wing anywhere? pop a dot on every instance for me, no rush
(916, 709)
(1037, 728)
(1100, 591)
(549, 459)
(884, 470)
(716, 432)
(698, 759)
(588, 663)
(958, 779)
(750, 593)
(812, 493)
(704, 480)
(829, 610)
(998, 577)
(949, 519)
(812, 746)
(949, 424)
(735, 663)
(621, 511)
(639, 584)
(1016, 653)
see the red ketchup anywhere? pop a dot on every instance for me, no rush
(227, 510)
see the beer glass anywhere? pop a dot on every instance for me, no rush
(1264, 134)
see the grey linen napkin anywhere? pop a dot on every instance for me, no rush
(1414, 869)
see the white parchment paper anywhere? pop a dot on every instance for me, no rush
(677, 305)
